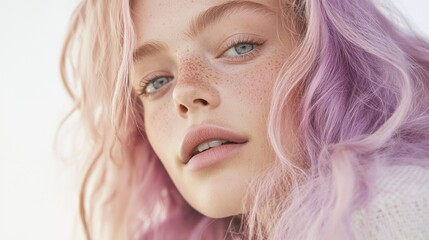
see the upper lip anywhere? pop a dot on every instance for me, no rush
(203, 133)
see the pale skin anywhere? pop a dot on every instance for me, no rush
(217, 73)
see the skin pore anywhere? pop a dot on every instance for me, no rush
(209, 64)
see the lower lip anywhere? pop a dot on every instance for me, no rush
(213, 156)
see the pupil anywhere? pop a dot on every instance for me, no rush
(244, 48)
(159, 82)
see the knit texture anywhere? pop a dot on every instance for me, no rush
(400, 207)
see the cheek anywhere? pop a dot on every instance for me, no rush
(254, 87)
(158, 122)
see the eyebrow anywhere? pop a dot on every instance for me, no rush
(201, 22)
(149, 48)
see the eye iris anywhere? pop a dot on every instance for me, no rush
(243, 48)
(158, 83)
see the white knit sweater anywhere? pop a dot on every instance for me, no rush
(400, 208)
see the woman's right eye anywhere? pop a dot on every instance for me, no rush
(155, 84)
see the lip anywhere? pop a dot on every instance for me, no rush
(202, 133)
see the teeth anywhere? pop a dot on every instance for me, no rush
(213, 143)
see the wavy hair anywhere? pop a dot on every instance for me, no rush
(355, 91)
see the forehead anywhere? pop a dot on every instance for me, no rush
(161, 19)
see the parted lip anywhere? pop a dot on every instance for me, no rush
(203, 133)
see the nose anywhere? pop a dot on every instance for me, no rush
(194, 91)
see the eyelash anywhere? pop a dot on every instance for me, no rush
(257, 43)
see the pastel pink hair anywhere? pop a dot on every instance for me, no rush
(356, 91)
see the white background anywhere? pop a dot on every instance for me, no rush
(37, 191)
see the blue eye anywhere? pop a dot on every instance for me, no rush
(156, 83)
(240, 49)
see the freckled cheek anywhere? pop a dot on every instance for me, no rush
(158, 123)
(255, 86)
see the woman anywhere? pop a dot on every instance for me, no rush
(253, 119)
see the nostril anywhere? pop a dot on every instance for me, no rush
(202, 101)
(183, 108)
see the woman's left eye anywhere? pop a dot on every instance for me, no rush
(240, 49)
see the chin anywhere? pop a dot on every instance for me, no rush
(219, 213)
(218, 203)
(215, 207)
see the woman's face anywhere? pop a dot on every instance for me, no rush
(205, 71)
